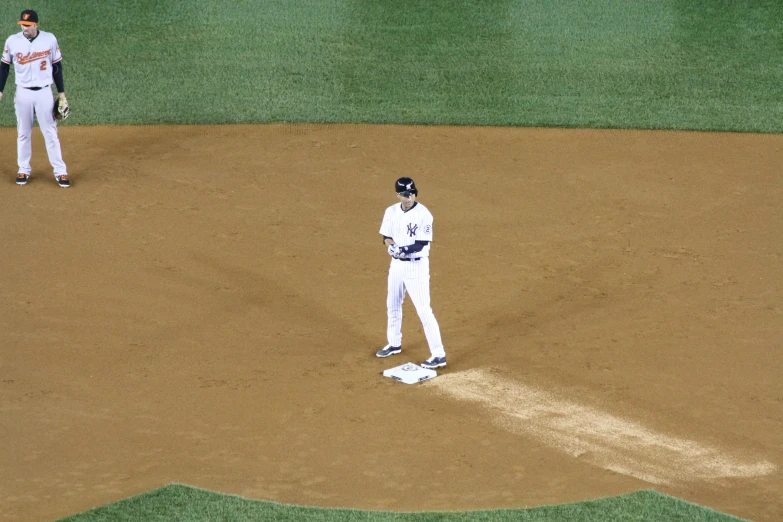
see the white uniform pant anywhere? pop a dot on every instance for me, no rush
(30, 104)
(413, 277)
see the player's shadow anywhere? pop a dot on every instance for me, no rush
(256, 292)
(493, 328)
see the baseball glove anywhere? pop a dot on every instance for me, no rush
(61, 109)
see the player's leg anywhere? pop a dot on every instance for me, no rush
(394, 298)
(25, 112)
(417, 283)
(44, 104)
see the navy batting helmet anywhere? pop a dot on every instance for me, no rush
(405, 187)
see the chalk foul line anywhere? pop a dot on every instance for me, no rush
(593, 435)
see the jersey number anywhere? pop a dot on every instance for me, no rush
(43, 65)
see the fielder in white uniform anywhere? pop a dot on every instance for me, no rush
(37, 64)
(407, 233)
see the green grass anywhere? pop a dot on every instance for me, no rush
(685, 64)
(184, 503)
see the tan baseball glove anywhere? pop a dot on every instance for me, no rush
(61, 108)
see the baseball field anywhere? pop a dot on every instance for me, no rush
(189, 331)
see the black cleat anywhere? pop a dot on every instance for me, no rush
(388, 350)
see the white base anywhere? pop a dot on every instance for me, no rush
(410, 373)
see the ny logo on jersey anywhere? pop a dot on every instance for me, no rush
(412, 229)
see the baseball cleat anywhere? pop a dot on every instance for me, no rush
(63, 181)
(388, 350)
(22, 178)
(434, 362)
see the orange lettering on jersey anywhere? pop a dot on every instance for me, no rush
(23, 59)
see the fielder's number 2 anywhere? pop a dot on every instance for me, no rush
(43, 65)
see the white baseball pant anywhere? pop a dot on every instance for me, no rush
(30, 104)
(413, 277)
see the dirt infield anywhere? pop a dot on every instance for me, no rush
(204, 304)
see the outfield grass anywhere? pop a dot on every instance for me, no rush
(184, 503)
(692, 64)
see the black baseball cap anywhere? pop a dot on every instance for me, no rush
(28, 17)
(405, 187)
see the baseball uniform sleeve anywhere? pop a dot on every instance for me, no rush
(6, 53)
(5, 69)
(56, 55)
(425, 228)
(386, 226)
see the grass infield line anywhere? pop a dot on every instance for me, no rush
(185, 503)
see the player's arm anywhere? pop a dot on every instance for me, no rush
(57, 75)
(5, 68)
(386, 229)
(415, 247)
(57, 68)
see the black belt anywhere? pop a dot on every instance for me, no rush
(409, 259)
(36, 88)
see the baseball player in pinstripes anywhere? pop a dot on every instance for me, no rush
(407, 233)
(37, 63)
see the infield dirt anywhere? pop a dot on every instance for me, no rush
(204, 304)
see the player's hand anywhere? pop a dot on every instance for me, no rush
(1, 96)
(394, 251)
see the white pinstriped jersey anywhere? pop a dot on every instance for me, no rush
(32, 60)
(405, 228)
